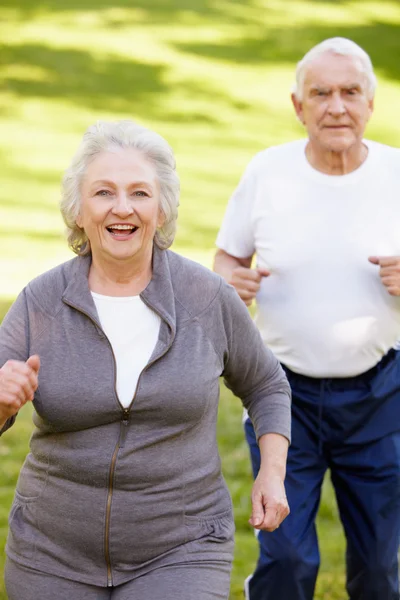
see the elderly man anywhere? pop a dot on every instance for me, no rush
(322, 217)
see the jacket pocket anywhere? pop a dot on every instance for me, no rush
(218, 528)
(21, 523)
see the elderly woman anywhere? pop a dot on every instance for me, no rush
(121, 349)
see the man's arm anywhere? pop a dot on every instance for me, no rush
(238, 273)
(389, 272)
(225, 264)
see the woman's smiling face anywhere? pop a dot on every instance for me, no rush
(120, 205)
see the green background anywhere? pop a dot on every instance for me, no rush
(214, 78)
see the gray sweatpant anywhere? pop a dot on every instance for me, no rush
(192, 581)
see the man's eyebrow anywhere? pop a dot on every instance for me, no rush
(325, 88)
(319, 88)
(352, 86)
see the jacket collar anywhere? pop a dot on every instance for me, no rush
(158, 295)
(77, 293)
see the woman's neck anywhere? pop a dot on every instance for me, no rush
(119, 278)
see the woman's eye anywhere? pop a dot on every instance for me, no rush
(103, 193)
(139, 193)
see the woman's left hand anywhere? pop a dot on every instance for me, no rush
(270, 506)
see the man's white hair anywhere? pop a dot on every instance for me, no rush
(337, 45)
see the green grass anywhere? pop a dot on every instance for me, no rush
(212, 76)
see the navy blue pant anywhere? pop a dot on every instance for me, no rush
(352, 427)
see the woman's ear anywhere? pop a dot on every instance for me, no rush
(78, 221)
(160, 219)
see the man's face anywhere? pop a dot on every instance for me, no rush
(335, 107)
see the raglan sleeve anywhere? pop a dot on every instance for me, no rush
(251, 370)
(14, 338)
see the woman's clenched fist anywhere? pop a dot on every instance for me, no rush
(18, 383)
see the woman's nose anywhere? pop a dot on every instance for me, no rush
(122, 205)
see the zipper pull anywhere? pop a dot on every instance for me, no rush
(124, 427)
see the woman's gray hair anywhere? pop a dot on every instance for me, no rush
(105, 136)
(337, 45)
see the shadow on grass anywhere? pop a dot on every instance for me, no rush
(276, 45)
(113, 84)
(24, 170)
(106, 84)
(150, 11)
(77, 76)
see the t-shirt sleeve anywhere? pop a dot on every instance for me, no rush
(236, 235)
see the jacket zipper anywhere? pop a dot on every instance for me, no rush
(113, 459)
(119, 444)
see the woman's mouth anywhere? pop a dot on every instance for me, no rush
(122, 231)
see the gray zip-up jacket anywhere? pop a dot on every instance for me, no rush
(107, 492)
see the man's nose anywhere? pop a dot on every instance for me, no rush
(122, 205)
(336, 105)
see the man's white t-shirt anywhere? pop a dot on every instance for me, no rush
(132, 328)
(323, 311)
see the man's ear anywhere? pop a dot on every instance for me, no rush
(371, 106)
(298, 107)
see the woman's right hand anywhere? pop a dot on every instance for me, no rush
(18, 383)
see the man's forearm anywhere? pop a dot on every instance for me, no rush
(224, 264)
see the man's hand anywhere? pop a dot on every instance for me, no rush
(270, 506)
(389, 272)
(247, 282)
(18, 383)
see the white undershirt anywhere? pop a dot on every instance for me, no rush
(132, 328)
(323, 311)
